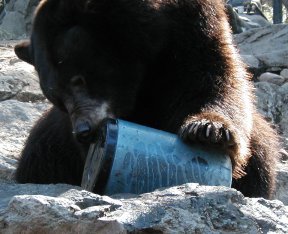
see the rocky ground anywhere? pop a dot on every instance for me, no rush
(184, 209)
(266, 53)
(21, 103)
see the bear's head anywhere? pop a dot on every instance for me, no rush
(89, 56)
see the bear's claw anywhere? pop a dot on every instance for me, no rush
(206, 131)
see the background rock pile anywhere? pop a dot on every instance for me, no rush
(17, 20)
(265, 51)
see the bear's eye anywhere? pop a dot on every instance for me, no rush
(78, 81)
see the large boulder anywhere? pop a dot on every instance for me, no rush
(273, 104)
(21, 104)
(16, 120)
(266, 45)
(189, 208)
(18, 79)
(17, 19)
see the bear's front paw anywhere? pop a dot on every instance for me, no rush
(216, 130)
(208, 132)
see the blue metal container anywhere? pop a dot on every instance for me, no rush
(130, 158)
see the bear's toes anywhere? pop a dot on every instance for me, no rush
(208, 132)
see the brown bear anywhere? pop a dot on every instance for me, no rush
(169, 65)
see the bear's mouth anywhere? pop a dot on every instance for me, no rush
(87, 119)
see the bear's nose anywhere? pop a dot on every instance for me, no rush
(82, 131)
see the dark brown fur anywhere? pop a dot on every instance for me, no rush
(168, 64)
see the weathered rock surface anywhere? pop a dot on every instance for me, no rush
(281, 192)
(17, 20)
(20, 106)
(18, 79)
(266, 44)
(273, 104)
(16, 120)
(284, 73)
(272, 78)
(183, 209)
(265, 49)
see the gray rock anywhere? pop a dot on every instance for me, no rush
(253, 21)
(272, 78)
(18, 80)
(13, 24)
(16, 120)
(10, 190)
(10, 87)
(272, 103)
(22, 9)
(283, 111)
(251, 61)
(17, 20)
(282, 182)
(274, 59)
(183, 209)
(284, 73)
(266, 44)
(4, 34)
(21, 6)
(20, 107)
(274, 69)
(267, 100)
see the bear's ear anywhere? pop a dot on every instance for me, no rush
(23, 52)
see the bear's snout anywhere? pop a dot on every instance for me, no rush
(83, 131)
(86, 116)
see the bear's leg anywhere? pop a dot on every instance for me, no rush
(51, 155)
(259, 180)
